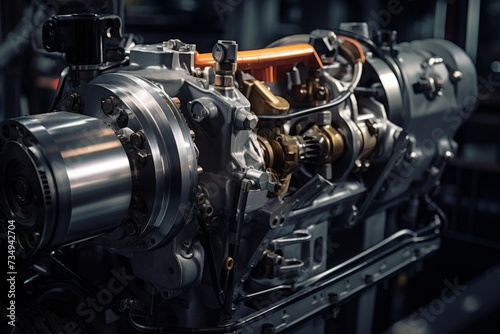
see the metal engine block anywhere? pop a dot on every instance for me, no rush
(237, 191)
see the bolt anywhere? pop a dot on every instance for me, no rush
(177, 102)
(200, 198)
(413, 156)
(250, 121)
(354, 215)
(137, 139)
(332, 37)
(214, 221)
(74, 103)
(108, 105)
(49, 35)
(372, 127)
(28, 141)
(225, 51)
(20, 131)
(208, 210)
(321, 93)
(122, 118)
(130, 227)
(186, 244)
(368, 279)
(434, 171)
(170, 44)
(456, 76)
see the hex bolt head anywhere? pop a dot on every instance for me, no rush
(137, 139)
(122, 119)
(225, 51)
(108, 105)
(251, 122)
(74, 103)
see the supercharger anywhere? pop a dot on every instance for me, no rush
(233, 191)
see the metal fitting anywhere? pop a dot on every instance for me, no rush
(245, 120)
(137, 139)
(108, 105)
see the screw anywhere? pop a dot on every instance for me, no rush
(108, 105)
(137, 139)
(368, 279)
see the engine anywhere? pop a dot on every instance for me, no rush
(234, 191)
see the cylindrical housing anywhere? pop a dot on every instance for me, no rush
(64, 177)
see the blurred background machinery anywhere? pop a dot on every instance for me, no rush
(470, 187)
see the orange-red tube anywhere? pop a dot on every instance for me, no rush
(270, 63)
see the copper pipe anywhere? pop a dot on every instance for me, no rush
(269, 63)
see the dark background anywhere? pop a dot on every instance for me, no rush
(470, 193)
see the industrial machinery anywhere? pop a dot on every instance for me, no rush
(238, 191)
